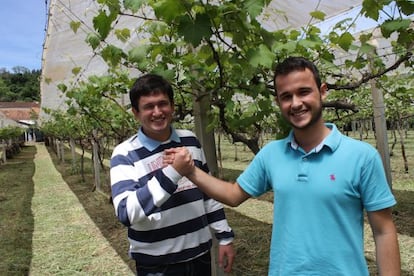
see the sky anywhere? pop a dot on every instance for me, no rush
(22, 33)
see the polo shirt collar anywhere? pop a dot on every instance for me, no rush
(334, 138)
(331, 141)
(152, 144)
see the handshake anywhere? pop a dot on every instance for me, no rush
(180, 159)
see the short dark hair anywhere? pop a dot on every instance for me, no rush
(147, 85)
(291, 64)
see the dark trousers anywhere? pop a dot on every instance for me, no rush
(200, 266)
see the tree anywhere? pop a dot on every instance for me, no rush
(224, 50)
(220, 50)
(20, 85)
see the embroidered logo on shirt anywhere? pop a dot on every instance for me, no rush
(332, 177)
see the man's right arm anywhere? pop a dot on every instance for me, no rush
(228, 193)
(137, 195)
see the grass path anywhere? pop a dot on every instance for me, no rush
(65, 239)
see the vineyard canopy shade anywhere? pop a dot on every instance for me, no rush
(65, 50)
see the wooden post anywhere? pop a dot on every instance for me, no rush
(3, 153)
(62, 151)
(96, 164)
(73, 151)
(201, 107)
(381, 127)
(58, 152)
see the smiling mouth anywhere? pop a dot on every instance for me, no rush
(298, 113)
(158, 119)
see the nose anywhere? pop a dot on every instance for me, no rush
(156, 110)
(296, 101)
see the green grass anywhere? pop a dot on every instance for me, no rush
(252, 236)
(45, 229)
(98, 209)
(16, 220)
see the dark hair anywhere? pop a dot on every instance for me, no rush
(292, 64)
(147, 85)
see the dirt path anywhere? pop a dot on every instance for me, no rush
(65, 239)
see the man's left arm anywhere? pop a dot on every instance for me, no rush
(386, 242)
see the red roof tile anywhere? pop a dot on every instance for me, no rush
(20, 110)
(19, 104)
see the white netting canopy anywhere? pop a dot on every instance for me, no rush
(65, 50)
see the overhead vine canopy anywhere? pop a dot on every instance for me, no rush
(66, 52)
(218, 49)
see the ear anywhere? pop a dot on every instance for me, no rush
(324, 91)
(136, 112)
(277, 99)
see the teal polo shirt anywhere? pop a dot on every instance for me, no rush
(319, 199)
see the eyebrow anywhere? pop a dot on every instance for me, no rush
(156, 103)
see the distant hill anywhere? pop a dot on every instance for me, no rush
(21, 84)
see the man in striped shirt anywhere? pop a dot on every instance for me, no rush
(169, 224)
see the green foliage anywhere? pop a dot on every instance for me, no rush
(9, 132)
(194, 31)
(103, 21)
(133, 5)
(76, 70)
(66, 125)
(19, 85)
(74, 25)
(399, 92)
(123, 34)
(372, 8)
(391, 26)
(93, 105)
(221, 48)
(345, 41)
(318, 15)
(112, 55)
(93, 40)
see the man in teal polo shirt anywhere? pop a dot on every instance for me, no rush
(322, 181)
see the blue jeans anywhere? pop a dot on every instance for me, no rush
(200, 266)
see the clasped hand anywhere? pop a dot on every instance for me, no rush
(180, 159)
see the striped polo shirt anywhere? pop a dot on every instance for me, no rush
(169, 219)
